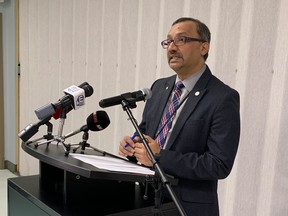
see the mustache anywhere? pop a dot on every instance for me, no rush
(174, 54)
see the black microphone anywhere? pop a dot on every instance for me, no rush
(88, 92)
(31, 129)
(141, 95)
(95, 122)
(74, 98)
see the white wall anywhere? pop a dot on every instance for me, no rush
(115, 47)
(8, 9)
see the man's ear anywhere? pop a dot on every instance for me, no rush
(205, 48)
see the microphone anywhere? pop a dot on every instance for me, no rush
(95, 122)
(31, 129)
(74, 98)
(143, 94)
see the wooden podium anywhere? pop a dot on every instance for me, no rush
(67, 186)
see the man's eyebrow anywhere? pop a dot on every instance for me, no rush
(179, 34)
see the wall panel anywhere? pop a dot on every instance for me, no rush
(115, 47)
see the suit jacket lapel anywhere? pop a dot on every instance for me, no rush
(193, 99)
(166, 90)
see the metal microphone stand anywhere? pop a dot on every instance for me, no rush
(48, 136)
(59, 138)
(84, 144)
(126, 105)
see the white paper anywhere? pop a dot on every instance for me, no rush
(112, 164)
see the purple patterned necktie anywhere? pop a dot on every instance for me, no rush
(166, 121)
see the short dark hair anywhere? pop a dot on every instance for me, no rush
(202, 29)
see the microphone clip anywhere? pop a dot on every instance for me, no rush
(128, 102)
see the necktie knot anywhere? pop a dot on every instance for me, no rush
(179, 85)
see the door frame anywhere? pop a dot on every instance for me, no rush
(1, 98)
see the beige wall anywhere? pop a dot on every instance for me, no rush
(8, 10)
(115, 47)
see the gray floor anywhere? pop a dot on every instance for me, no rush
(4, 175)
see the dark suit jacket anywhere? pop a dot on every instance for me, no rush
(204, 141)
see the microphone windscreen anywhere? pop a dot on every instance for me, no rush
(98, 121)
(147, 92)
(88, 90)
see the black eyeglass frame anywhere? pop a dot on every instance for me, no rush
(186, 39)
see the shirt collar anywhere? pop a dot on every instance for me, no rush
(190, 82)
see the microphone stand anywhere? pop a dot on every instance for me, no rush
(126, 105)
(48, 136)
(84, 143)
(34, 129)
(59, 137)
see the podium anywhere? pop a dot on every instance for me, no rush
(67, 186)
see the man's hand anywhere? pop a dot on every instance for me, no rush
(141, 153)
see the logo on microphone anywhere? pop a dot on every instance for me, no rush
(80, 101)
(72, 89)
(78, 95)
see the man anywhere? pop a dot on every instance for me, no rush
(201, 144)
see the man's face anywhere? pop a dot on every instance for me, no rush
(188, 58)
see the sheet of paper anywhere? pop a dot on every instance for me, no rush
(112, 164)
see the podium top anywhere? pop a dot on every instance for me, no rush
(54, 155)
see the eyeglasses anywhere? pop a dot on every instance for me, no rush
(179, 41)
